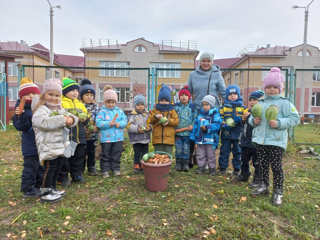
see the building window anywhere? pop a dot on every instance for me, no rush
(236, 78)
(78, 80)
(12, 68)
(229, 81)
(57, 74)
(241, 77)
(316, 74)
(301, 52)
(114, 73)
(140, 48)
(13, 93)
(123, 94)
(315, 101)
(167, 73)
(100, 94)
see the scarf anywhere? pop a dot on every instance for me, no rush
(53, 106)
(164, 107)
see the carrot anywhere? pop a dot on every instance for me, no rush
(165, 156)
(181, 130)
(21, 105)
(115, 117)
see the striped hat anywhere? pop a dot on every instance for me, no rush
(27, 86)
(69, 85)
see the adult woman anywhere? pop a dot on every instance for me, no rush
(205, 80)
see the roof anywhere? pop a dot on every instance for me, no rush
(223, 63)
(112, 45)
(8, 57)
(271, 51)
(40, 50)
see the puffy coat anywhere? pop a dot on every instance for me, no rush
(212, 121)
(135, 120)
(23, 123)
(187, 115)
(109, 133)
(164, 134)
(246, 135)
(51, 142)
(287, 117)
(77, 133)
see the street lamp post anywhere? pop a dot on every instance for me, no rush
(51, 36)
(304, 51)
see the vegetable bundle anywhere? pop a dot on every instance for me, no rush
(153, 158)
(256, 111)
(230, 122)
(272, 113)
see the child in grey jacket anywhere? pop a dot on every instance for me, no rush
(139, 131)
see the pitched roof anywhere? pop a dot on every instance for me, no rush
(271, 51)
(223, 63)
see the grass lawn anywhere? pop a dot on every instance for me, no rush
(307, 133)
(193, 206)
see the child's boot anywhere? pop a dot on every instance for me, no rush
(185, 165)
(277, 197)
(93, 171)
(48, 196)
(244, 177)
(136, 169)
(212, 171)
(78, 179)
(178, 165)
(255, 182)
(262, 190)
(200, 170)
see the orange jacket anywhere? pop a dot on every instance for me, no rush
(163, 134)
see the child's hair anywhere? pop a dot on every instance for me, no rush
(42, 101)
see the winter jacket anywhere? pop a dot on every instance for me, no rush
(92, 110)
(246, 134)
(212, 121)
(163, 134)
(287, 117)
(187, 115)
(135, 120)
(111, 133)
(77, 133)
(23, 123)
(51, 142)
(235, 112)
(198, 84)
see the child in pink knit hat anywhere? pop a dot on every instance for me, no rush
(271, 136)
(111, 121)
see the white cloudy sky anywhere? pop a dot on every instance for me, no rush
(223, 27)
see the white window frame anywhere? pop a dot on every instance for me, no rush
(316, 74)
(140, 49)
(241, 77)
(13, 92)
(116, 72)
(123, 94)
(12, 68)
(166, 73)
(236, 78)
(57, 74)
(315, 98)
(100, 94)
(301, 52)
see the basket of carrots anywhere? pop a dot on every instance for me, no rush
(156, 167)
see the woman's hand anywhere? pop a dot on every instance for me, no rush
(257, 120)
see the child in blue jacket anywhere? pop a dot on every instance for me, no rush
(187, 114)
(111, 120)
(32, 173)
(271, 136)
(205, 134)
(232, 108)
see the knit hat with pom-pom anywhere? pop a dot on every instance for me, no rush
(274, 78)
(27, 86)
(86, 87)
(185, 90)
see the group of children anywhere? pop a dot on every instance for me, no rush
(64, 140)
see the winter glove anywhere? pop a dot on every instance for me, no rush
(237, 119)
(226, 127)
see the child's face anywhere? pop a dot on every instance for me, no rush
(52, 96)
(88, 98)
(29, 96)
(164, 101)
(252, 102)
(272, 90)
(206, 106)
(110, 104)
(233, 96)
(73, 94)
(184, 99)
(140, 107)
